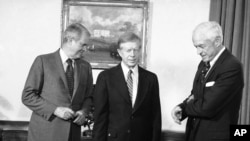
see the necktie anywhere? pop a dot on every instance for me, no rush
(70, 76)
(130, 84)
(204, 71)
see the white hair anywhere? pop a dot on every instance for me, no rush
(211, 30)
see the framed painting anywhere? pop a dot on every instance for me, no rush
(106, 21)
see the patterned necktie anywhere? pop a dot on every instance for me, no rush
(204, 71)
(70, 76)
(130, 84)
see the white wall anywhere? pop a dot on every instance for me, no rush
(27, 28)
(31, 27)
(172, 55)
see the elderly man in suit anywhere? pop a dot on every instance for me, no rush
(126, 98)
(58, 90)
(217, 88)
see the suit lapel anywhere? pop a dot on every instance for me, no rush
(219, 61)
(59, 68)
(77, 75)
(198, 73)
(121, 84)
(142, 88)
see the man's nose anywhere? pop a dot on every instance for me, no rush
(132, 53)
(199, 50)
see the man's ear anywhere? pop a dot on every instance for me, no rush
(217, 41)
(71, 41)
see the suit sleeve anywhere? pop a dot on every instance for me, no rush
(32, 90)
(227, 88)
(101, 110)
(183, 105)
(156, 111)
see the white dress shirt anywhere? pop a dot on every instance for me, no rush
(212, 62)
(135, 76)
(64, 58)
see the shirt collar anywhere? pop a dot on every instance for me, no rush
(125, 70)
(212, 62)
(64, 57)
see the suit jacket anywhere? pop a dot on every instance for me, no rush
(216, 102)
(114, 117)
(46, 88)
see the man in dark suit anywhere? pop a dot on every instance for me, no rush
(58, 90)
(126, 98)
(217, 90)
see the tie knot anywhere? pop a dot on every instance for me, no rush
(205, 68)
(207, 64)
(130, 72)
(69, 61)
(129, 75)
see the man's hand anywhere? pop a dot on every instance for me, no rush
(80, 117)
(64, 113)
(177, 114)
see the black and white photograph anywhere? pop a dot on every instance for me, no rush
(124, 70)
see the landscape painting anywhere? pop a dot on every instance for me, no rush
(106, 21)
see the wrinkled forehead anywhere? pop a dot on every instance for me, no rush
(203, 35)
(130, 45)
(207, 31)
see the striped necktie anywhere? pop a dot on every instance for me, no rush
(130, 84)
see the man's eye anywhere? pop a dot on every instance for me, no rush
(200, 46)
(136, 50)
(128, 50)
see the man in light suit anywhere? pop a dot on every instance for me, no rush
(59, 92)
(216, 95)
(127, 111)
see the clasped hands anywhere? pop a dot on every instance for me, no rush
(66, 113)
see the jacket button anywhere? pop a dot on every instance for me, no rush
(109, 134)
(128, 131)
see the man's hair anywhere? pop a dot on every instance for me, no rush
(211, 29)
(74, 32)
(128, 37)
